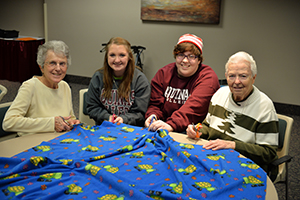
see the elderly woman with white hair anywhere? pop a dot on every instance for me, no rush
(44, 103)
(240, 116)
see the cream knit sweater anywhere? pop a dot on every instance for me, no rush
(36, 106)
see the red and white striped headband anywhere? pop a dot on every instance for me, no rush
(191, 39)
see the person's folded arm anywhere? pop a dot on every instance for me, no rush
(262, 155)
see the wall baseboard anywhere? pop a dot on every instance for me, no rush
(287, 109)
(77, 79)
(281, 108)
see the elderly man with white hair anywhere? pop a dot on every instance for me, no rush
(240, 116)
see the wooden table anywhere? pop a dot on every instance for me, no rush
(9, 148)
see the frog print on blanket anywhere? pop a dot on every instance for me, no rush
(120, 161)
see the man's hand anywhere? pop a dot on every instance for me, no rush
(190, 131)
(219, 144)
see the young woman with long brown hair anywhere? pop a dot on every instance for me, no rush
(118, 92)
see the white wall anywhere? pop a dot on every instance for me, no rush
(23, 16)
(269, 30)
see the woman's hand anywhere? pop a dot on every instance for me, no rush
(159, 124)
(61, 124)
(115, 119)
(74, 121)
(152, 118)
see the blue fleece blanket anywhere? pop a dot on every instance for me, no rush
(118, 162)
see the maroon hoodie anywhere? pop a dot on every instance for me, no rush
(181, 101)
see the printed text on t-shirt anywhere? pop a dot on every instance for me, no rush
(176, 95)
(117, 106)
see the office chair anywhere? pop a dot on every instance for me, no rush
(3, 91)
(83, 115)
(285, 129)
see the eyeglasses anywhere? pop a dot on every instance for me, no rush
(242, 77)
(190, 57)
(54, 64)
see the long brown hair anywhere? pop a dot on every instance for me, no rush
(124, 87)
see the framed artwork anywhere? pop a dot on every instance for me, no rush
(194, 11)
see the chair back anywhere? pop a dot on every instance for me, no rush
(285, 130)
(3, 91)
(83, 115)
(3, 109)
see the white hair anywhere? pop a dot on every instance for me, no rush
(58, 47)
(244, 56)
